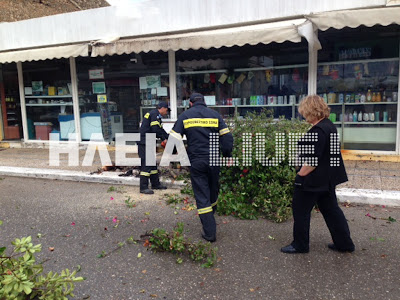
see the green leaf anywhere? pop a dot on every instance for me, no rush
(2, 249)
(390, 219)
(1, 222)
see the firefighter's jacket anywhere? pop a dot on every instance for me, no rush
(197, 123)
(152, 123)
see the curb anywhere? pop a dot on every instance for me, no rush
(364, 196)
(105, 177)
(360, 196)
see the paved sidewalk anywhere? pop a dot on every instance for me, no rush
(369, 182)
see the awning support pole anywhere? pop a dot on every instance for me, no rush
(22, 100)
(172, 85)
(75, 99)
(308, 31)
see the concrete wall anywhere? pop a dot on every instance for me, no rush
(147, 17)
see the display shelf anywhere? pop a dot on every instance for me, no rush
(56, 96)
(371, 103)
(369, 123)
(49, 104)
(221, 106)
(267, 105)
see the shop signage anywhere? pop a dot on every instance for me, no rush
(355, 53)
(96, 74)
(149, 82)
(99, 87)
(101, 98)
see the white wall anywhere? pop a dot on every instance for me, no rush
(148, 17)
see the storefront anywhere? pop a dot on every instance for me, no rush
(238, 69)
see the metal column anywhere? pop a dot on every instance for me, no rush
(23, 103)
(172, 84)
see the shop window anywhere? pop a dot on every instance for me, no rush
(115, 91)
(10, 102)
(359, 81)
(237, 80)
(48, 96)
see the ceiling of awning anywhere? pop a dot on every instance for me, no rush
(254, 34)
(354, 18)
(45, 53)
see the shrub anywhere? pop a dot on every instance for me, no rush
(20, 277)
(248, 192)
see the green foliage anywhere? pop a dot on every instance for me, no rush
(111, 189)
(187, 189)
(130, 203)
(248, 192)
(21, 278)
(116, 189)
(174, 199)
(176, 243)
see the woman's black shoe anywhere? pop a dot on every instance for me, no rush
(334, 248)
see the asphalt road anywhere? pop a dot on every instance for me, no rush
(73, 217)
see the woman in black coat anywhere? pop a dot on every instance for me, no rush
(321, 170)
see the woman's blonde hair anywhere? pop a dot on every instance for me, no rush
(314, 108)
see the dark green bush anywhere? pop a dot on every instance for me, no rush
(248, 192)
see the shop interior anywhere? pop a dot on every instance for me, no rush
(236, 79)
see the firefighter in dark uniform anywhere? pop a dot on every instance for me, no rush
(151, 124)
(197, 123)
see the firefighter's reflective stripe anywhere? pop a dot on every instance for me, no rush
(155, 123)
(200, 122)
(224, 131)
(175, 134)
(144, 174)
(205, 210)
(215, 203)
(146, 116)
(152, 172)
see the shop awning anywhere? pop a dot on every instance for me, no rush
(44, 53)
(238, 36)
(354, 18)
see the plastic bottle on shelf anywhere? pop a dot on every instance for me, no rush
(354, 116)
(331, 97)
(394, 96)
(385, 116)
(357, 98)
(351, 117)
(373, 97)
(378, 97)
(325, 97)
(341, 98)
(363, 98)
(360, 117)
(377, 117)
(369, 96)
(372, 117)
(384, 96)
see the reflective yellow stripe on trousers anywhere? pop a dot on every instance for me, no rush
(205, 210)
